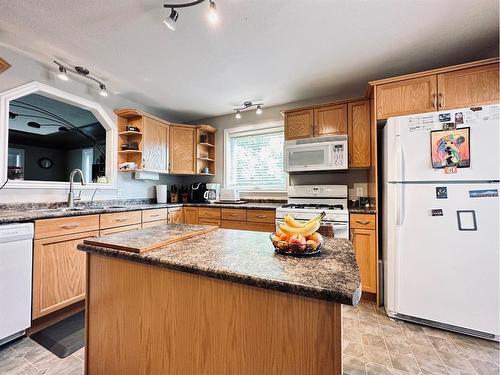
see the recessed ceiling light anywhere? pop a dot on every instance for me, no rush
(103, 91)
(33, 124)
(213, 17)
(259, 110)
(237, 115)
(62, 74)
(170, 22)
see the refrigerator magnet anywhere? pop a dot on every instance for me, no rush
(441, 192)
(459, 118)
(450, 148)
(444, 117)
(436, 212)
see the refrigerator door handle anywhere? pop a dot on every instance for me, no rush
(400, 213)
(400, 159)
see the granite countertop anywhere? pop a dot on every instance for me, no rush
(360, 210)
(248, 258)
(29, 214)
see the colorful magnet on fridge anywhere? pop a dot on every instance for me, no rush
(441, 192)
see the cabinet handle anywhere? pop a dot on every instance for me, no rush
(73, 226)
(120, 220)
(440, 100)
(233, 214)
(261, 216)
(434, 101)
(363, 222)
(155, 215)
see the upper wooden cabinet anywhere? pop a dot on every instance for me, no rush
(359, 134)
(409, 96)
(155, 145)
(446, 88)
(330, 120)
(182, 149)
(468, 87)
(299, 124)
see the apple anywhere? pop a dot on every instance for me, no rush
(279, 233)
(316, 237)
(297, 239)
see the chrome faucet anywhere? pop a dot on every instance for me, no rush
(71, 197)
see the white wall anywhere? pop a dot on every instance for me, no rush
(25, 69)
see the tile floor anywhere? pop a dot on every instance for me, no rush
(373, 344)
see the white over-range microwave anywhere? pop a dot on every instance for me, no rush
(317, 154)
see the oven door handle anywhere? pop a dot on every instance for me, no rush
(343, 225)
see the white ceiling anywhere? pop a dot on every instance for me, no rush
(277, 51)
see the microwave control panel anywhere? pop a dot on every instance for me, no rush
(340, 155)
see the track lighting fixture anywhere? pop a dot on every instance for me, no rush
(248, 105)
(62, 73)
(82, 72)
(36, 125)
(170, 22)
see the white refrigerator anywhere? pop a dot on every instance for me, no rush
(441, 219)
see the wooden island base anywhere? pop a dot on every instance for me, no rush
(143, 319)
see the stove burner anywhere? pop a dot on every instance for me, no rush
(314, 206)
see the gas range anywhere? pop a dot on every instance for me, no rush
(308, 201)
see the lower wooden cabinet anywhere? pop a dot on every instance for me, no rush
(126, 228)
(246, 225)
(58, 272)
(364, 241)
(151, 224)
(175, 215)
(190, 215)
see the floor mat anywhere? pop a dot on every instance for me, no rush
(64, 337)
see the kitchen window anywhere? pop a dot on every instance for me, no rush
(254, 158)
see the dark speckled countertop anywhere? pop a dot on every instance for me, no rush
(248, 258)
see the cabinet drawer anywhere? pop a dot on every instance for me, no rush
(65, 225)
(208, 213)
(204, 221)
(237, 214)
(151, 224)
(245, 225)
(120, 219)
(154, 215)
(261, 216)
(119, 229)
(362, 221)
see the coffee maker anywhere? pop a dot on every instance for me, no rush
(212, 193)
(197, 191)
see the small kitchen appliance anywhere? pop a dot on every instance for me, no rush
(212, 193)
(440, 224)
(229, 195)
(316, 154)
(307, 201)
(196, 192)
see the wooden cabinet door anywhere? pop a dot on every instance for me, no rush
(182, 150)
(468, 87)
(330, 120)
(359, 134)
(4, 65)
(415, 95)
(155, 145)
(190, 215)
(299, 124)
(364, 243)
(175, 216)
(58, 272)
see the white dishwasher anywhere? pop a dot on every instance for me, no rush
(16, 244)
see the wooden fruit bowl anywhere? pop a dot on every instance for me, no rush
(283, 247)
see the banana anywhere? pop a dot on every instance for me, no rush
(290, 221)
(305, 230)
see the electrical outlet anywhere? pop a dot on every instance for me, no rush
(359, 191)
(120, 193)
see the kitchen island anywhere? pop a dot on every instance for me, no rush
(218, 303)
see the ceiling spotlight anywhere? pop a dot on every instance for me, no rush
(258, 110)
(238, 114)
(170, 22)
(62, 74)
(12, 115)
(103, 91)
(213, 17)
(33, 124)
(63, 129)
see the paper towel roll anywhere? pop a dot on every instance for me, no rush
(161, 193)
